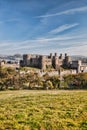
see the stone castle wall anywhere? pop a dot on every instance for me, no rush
(44, 61)
(55, 61)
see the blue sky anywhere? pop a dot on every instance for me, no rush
(43, 26)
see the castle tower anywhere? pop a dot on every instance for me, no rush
(51, 55)
(61, 56)
(79, 65)
(65, 55)
(42, 61)
(67, 60)
(55, 54)
(55, 61)
(26, 58)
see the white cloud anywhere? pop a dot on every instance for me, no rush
(76, 50)
(9, 20)
(66, 12)
(70, 43)
(63, 28)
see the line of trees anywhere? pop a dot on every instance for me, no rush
(12, 79)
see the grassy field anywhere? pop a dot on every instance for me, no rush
(43, 110)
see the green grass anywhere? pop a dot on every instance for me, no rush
(43, 110)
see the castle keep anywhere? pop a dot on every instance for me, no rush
(44, 61)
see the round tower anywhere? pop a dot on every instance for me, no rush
(55, 54)
(26, 57)
(79, 66)
(42, 60)
(61, 56)
(55, 61)
(67, 60)
(51, 55)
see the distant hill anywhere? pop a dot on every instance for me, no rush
(11, 57)
(79, 57)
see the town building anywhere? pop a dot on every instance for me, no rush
(79, 66)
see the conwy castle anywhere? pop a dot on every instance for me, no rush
(55, 61)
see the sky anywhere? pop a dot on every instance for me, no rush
(43, 27)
